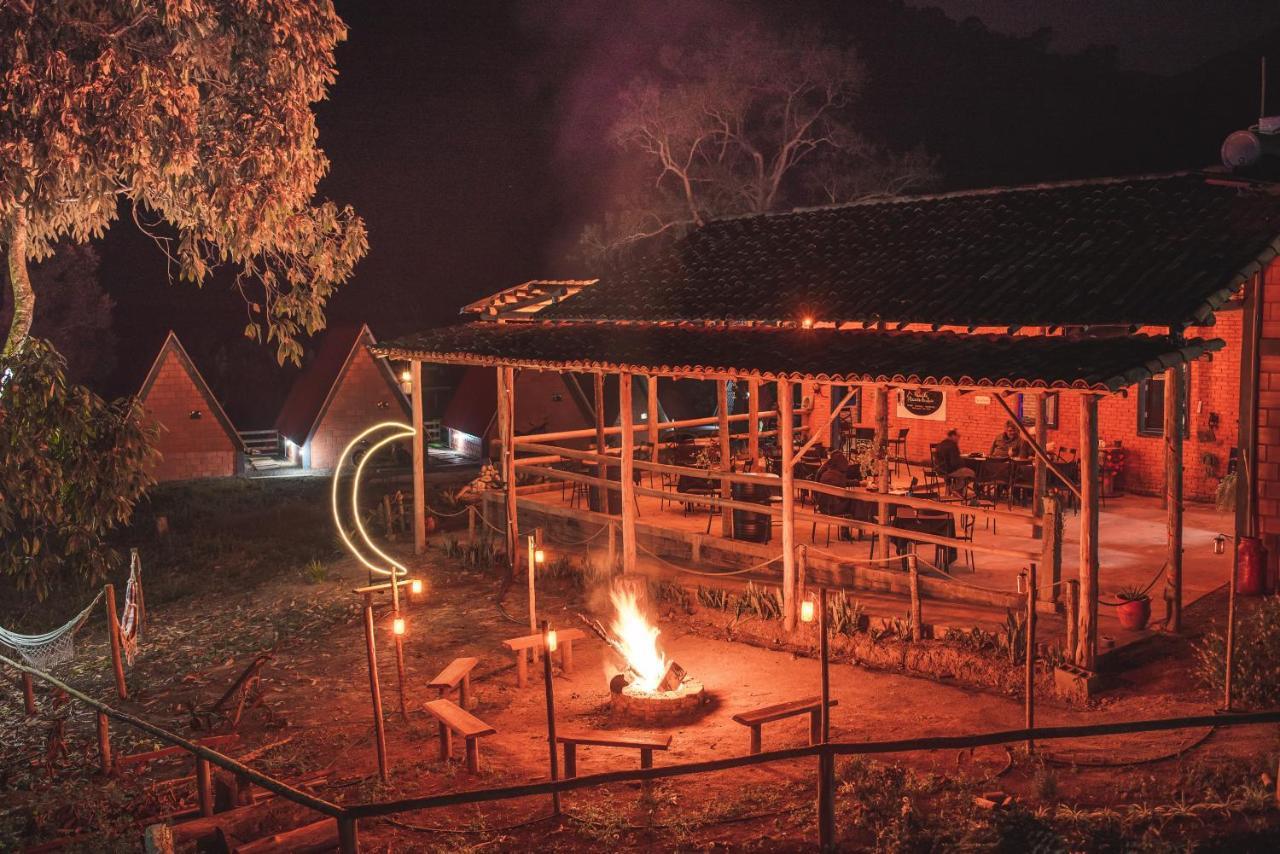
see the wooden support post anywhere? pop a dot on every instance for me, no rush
(652, 413)
(826, 761)
(628, 476)
(1040, 479)
(419, 460)
(1173, 426)
(551, 719)
(348, 836)
(399, 642)
(375, 692)
(104, 742)
(386, 517)
(802, 572)
(204, 786)
(753, 422)
(1029, 686)
(726, 488)
(1229, 665)
(1051, 542)
(506, 432)
(1072, 615)
(786, 443)
(917, 617)
(471, 522)
(881, 448)
(613, 548)
(29, 693)
(601, 503)
(1087, 639)
(113, 631)
(530, 549)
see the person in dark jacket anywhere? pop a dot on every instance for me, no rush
(1006, 444)
(949, 464)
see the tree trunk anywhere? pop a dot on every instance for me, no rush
(24, 298)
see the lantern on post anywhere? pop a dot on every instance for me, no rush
(415, 589)
(807, 610)
(406, 383)
(1220, 544)
(397, 626)
(551, 640)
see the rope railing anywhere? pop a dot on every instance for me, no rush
(725, 574)
(1159, 574)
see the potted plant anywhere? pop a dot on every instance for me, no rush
(1111, 469)
(1134, 610)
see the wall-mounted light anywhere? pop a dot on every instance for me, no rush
(406, 383)
(644, 416)
(196, 415)
(1220, 544)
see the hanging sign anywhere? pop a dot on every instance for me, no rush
(922, 403)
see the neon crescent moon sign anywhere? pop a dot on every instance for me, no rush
(385, 564)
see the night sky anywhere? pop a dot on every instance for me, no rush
(471, 135)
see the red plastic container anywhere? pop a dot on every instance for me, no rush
(1251, 567)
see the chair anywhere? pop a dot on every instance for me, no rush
(932, 479)
(827, 505)
(898, 450)
(994, 481)
(1024, 482)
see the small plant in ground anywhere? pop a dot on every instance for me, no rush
(1046, 783)
(1257, 657)
(670, 591)
(846, 615)
(316, 572)
(713, 597)
(1013, 636)
(759, 602)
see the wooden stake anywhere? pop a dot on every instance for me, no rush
(1173, 422)
(726, 488)
(1087, 640)
(506, 428)
(104, 743)
(419, 460)
(113, 631)
(917, 617)
(753, 424)
(1072, 620)
(204, 786)
(786, 442)
(882, 461)
(826, 761)
(375, 692)
(628, 476)
(348, 836)
(29, 693)
(531, 548)
(1030, 679)
(551, 720)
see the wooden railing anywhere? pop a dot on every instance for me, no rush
(640, 427)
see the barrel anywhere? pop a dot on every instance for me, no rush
(748, 526)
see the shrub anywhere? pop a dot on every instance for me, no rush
(1257, 657)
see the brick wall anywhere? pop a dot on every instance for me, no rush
(189, 448)
(1214, 388)
(1269, 407)
(363, 399)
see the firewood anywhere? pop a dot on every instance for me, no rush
(672, 678)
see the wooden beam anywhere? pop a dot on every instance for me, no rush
(601, 470)
(825, 429)
(786, 440)
(726, 488)
(1087, 636)
(419, 461)
(628, 472)
(881, 449)
(753, 414)
(587, 433)
(653, 411)
(506, 434)
(1173, 423)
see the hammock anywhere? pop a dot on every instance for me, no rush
(55, 647)
(131, 617)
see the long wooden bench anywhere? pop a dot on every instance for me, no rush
(523, 648)
(456, 675)
(645, 744)
(755, 718)
(454, 719)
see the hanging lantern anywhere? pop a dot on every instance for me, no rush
(1220, 544)
(406, 383)
(551, 640)
(539, 556)
(397, 626)
(807, 610)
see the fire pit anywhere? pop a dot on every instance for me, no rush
(649, 689)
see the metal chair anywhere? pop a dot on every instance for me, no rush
(898, 450)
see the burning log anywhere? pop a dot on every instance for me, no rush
(672, 678)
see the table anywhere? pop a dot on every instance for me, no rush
(939, 524)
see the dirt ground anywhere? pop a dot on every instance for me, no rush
(316, 718)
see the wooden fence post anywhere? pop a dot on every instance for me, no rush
(826, 761)
(530, 549)
(1173, 427)
(881, 448)
(471, 522)
(917, 616)
(1051, 544)
(29, 693)
(204, 786)
(1030, 680)
(1087, 641)
(551, 718)
(627, 475)
(1072, 617)
(348, 836)
(104, 743)
(113, 631)
(371, 651)
(786, 441)
(726, 488)
(802, 572)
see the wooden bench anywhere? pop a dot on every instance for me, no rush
(763, 715)
(454, 719)
(645, 744)
(456, 675)
(523, 648)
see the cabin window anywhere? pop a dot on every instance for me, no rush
(1151, 406)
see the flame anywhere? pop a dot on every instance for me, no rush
(638, 640)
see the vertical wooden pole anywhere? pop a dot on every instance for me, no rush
(1029, 686)
(1072, 620)
(1173, 422)
(104, 742)
(506, 431)
(613, 548)
(786, 443)
(1087, 640)
(204, 786)
(471, 522)
(917, 617)
(726, 488)
(653, 413)
(113, 631)
(140, 600)
(399, 642)
(882, 462)
(551, 720)
(348, 836)
(1229, 664)
(753, 423)
(628, 473)
(602, 471)
(531, 548)
(29, 693)
(419, 461)
(375, 692)
(826, 761)
(802, 572)
(1040, 480)
(1051, 542)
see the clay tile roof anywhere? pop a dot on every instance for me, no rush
(1163, 251)
(829, 355)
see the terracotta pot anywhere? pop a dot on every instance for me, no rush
(1134, 614)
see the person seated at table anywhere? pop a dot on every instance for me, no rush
(949, 463)
(835, 472)
(1006, 444)
(1023, 450)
